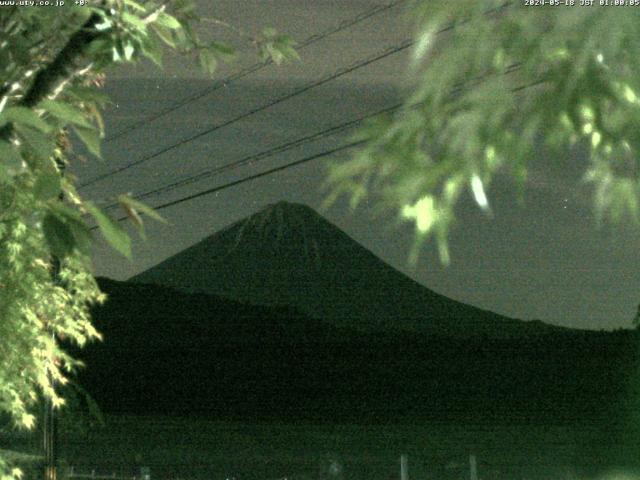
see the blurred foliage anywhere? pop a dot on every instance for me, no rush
(488, 80)
(53, 62)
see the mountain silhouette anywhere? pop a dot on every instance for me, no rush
(169, 352)
(288, 254)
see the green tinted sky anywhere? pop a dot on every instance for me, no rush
(544, 259)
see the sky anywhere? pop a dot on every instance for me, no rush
(543, 259)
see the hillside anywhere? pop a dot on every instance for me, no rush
(287, 254)
(169, 352)
(283, 315)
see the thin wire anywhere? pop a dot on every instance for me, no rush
(389, 51)
(250, 177)
(298, 142)
(456, 90)
(337, 74)
(297, 162)
(254, 68)
(261, 155)
(261, 174)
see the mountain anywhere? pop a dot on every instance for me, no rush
(165, 351)
(287, 254)
(170, 352)
(153, 316)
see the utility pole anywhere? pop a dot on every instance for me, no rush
(50, 420)
(50, 437)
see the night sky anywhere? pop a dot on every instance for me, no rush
(545, 259)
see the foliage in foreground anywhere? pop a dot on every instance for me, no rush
(53, 62)
(490, 79)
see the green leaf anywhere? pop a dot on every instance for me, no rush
(134, 21)
(270, 51)
(117, 52)
(87, 94)
(164, 34)
(284, 51)
(47, 185)
(65, 230)
(38, 143)
(105, 24)
(151, 49)
(58, 235)
(135, 5)
(5, 179)
(284, 39)
(208, 61)
(65, 112)
(10, 160)
(168, 21)
(79, 230)
(129, 51)
(185, 7)
(289, 52)
(141, 207)
(91, 138)
(112, 231)
(224, 51)
(182, 39)
(479, 195)
(24, 116)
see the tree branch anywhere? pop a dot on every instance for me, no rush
(47, 78)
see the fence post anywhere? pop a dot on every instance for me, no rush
(473, 468)
(404, 467)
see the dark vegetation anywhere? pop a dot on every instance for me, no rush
(282, 320)
(169, 352)
(358, 341)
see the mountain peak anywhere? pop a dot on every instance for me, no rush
(283, 228)
(284, 211)
(288, 254)
(285, 206)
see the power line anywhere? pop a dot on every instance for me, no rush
(457, 89)
(250, 177)
(337, 74)
(254, 68)
(261, 155)
(301, 141)
(387, 52)
(209, 191)
(259, 175)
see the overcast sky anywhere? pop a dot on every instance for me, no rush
(542, 260)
